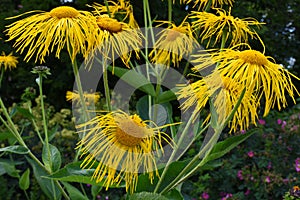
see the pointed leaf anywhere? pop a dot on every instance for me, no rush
(167, 96)
(74, 193)
(174, 195)
(18, 149)
(47, 186)
(52, 159)
(24, 180)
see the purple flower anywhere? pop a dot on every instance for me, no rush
(283, 124)
(98, 197)
(267, 180)
(297, 165)
(269, 165)
(240, 175)
(250, 154)
(227, 196)
(261, 122)
(205, 195)
(243, 131)
(286, 180)
(88, 185)
(247, 192)
(279, 121)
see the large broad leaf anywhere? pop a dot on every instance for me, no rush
(15, 149)
(24, 180)
(146, 196)
(51, 159)
(223, 147)
(134, 79)
(8, 168)
(47, 186)
(163, 112)
(74, 193)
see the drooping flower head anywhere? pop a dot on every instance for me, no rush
(122, 11)
(211, 3)
(124, 145)
(89, 98)
(174, 43)
(257, 72)
(215, 26)
(116, 39)
(225, 93)
(42, 33)
(8, 61)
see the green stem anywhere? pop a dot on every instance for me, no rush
(34, 124)
(170, 4)
(106, 87)
(80, 90)
(107, 8)
(1, 75)
(176, 147)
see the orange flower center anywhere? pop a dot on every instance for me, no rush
(253, 57)
(130, 132)
(173, 34)
(64, 12)
(109, 24)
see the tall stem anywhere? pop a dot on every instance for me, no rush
(170, 4)
(106, 86)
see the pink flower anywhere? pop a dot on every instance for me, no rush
(240, 175)
(243, 131)
(267, 180)
(279, 121)
(250, 154)
(297, 165)
(269, 165)
(261, 122)
(205, 195)
(283, 124)
(227, 196)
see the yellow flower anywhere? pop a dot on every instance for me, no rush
(121, 11)
(44, 31)
(215, 26)
(225, 93)
(124, 145)
(258, 73)
(88, 97)
(173, 44)
(8, 61)
(211, 3)
(116, 38)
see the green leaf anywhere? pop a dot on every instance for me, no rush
(223, 147)
(174, 195)
(73, 173)
(25, 112)
(167, 96)
(9, 168)
(134, 79)
(146, 196)
(51, 159)
(24, 180)
(47, 186)
(18, 149)
(95, 189)
(6, 135)
(74, 193)
(164, 111)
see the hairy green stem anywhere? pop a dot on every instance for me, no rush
(106, 86)
(170, 4)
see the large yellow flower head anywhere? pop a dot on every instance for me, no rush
(173, 44)
(8, 61)
(225, 94)
(213, 27)
(122, 10)
(124, 145)
(41, 33)
(211, 3)
(257, 72)
(117, 38)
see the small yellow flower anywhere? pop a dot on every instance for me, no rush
(212, 3)
(89, 98)
(258, 73)
(121, 11)
(8, 61)
(173, 44)
(41, 33)
(213, 27)
(117, 38)
(124, 145)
